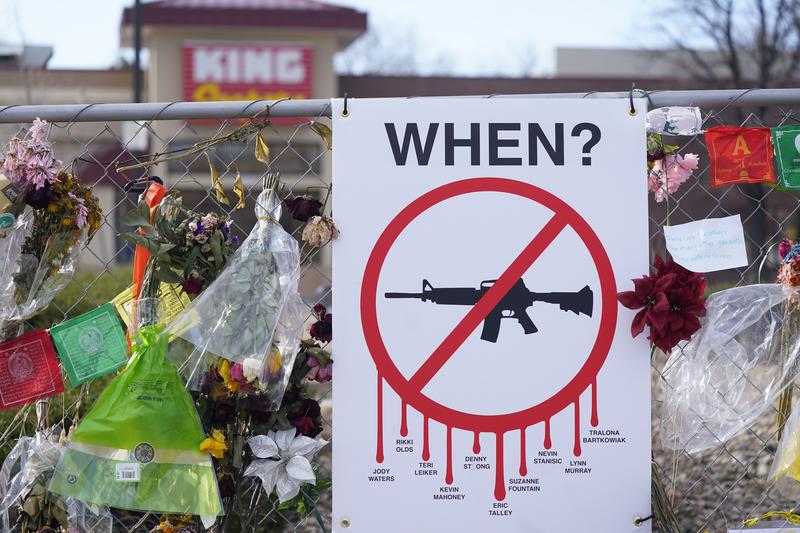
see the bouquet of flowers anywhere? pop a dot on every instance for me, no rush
(232, 326)
(186, 247)
(55, 216)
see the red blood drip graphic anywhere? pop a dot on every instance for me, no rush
(426, 450)
(523, 460)
(547, 442)
(499, 476)
(379, 452)
(576, 449)
(595, 420)
(476, 443)
(448, 478)
(404, 421)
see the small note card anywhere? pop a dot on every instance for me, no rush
(708, 245)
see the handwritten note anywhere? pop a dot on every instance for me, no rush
(708, 245)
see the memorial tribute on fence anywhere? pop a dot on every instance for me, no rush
(489, 371)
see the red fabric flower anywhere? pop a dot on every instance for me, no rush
(669, 302)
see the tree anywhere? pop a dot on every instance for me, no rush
(737, 43)
(380, 52)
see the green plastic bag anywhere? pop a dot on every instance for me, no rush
(138, 448)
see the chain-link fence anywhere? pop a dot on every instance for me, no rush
(711, 491)
(93, 151)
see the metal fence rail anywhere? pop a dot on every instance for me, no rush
(710, 491)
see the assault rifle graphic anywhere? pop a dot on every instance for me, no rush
(513, 305)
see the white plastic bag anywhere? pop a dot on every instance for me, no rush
(733, 369)
(243, 316)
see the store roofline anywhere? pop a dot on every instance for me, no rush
(157, 14)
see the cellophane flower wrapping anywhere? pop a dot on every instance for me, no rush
(733, 369)
(23, 481)
(29, 283)
(785, 469)
(251, 313)
(138, 448)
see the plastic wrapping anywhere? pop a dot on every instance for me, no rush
(243, 316)
(138, 448)
(23, 480)
(28, 284)
(786, 465)
(733, 369)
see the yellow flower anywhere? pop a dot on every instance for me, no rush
(274, 361)
(225, 373)
(215, 444)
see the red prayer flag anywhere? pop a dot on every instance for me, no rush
(28, 370)
(740, 155)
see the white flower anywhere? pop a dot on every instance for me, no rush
(251, 366)
(284, 461)
(193, 225)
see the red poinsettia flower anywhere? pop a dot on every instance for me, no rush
(669, 302)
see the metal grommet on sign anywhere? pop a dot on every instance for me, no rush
(345, 522)
(632, 111)
(638, 521)
(345, 111)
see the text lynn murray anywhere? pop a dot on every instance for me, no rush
(501, 143)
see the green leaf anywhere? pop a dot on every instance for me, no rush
(191, 260)
(139, 217)
(165, 247)
(140, 240)
(216, 248)
(167, 275)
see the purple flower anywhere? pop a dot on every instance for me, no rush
(237, 373)
(235, 240)
(319, 373)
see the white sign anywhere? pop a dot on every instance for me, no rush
(708, 245)
(487, 379)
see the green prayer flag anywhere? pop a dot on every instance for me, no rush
(91, 345)
(786, 145)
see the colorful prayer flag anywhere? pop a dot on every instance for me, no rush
(786, 143)
(28, 370)
(91, 345)
(739, 155)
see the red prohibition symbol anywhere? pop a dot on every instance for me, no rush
(410, 389)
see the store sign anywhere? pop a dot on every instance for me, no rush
(215, 71)
(490, 380)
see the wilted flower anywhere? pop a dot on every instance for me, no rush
(305, 416)
(29, 161)
(669, 302)
(192, 285)
(789, 270)
(320, 230)
(227, 487)
(215, 444)
(322, 329)
(317, 372)
(224, 414)
(678, 170)
(284, 462)
(83, 213)
(202, 238)
(303, 207)
(208, 220)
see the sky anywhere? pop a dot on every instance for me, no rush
(475, 36)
